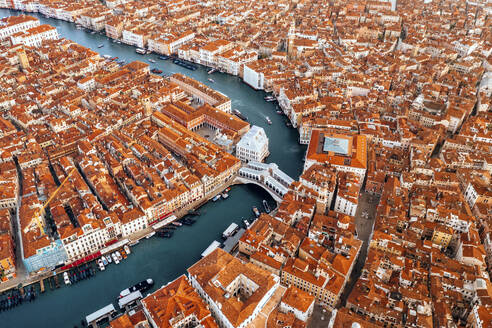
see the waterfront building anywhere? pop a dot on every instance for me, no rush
(235, 292)
(91, 236)
(168, 44)
(35, 36)
(177, 304)
(16, 24)
(253, 145)
(7, 257)
(202, 92)
(43, 253)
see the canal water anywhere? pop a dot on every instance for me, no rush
(162, 259)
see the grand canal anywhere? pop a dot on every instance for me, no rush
(162, 259)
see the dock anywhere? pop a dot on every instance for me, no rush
(230, 230)
(100, 314)
(231, 242)
(215, 244)
(41, 285)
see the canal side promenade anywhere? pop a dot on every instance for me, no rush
(23, 280)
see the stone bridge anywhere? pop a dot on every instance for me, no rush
(267, 176)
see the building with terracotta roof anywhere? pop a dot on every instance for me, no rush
(344, 152)
(177, 304)
(298, 302)
(235, 292)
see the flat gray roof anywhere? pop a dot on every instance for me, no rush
(100, 313)
(336, 145)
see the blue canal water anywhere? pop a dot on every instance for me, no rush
(162, 259)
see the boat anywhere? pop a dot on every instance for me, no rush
(104, 261)
(163, 233)
(66, 279)
(279, 112)
(115, 258)
(150, 235)
(228, 189)
(140, 51)
(142, 286)
(216, 198)
(266, 206)
(100, 45)
(107, 56)
(127, 249)
(239, 114)
(118, 255)
(118, 42)
(101, 265)
(123, 254)
(211, 80)
(211, 71)
(231, 230)
(269, 98)
(163, 57)
(246, 223)
(225, 195)
(93, 32)
(108, 257)
(269, 121)
(178, 224)
(156, 71)
(151, 60)
(255, 211)
(288, 124)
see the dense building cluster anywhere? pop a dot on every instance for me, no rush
(111, 134)
(392, 99)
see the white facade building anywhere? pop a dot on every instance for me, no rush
(35, 36)
(253, 146)
(254, 78)
(88, 239)
(15, 24)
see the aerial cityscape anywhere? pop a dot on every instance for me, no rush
(243, 164)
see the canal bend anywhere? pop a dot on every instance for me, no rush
(162, 259)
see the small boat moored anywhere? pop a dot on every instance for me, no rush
(239, 114)
(266, 206)
(151, 60)
(211, 80)
(66, 279)
(140, 51)
(127, 249)
(100, 46)
(216, 198)
(101, 265)
(269, 121)
(255, 211)
(142, 286)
